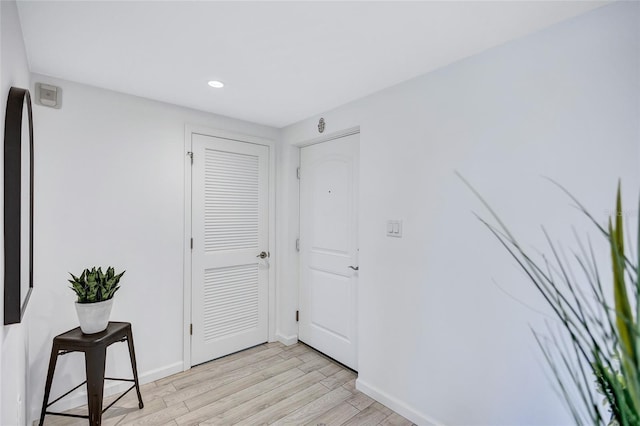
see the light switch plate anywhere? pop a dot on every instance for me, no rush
(394, 228)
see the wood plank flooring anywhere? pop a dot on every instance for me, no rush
(267, 384)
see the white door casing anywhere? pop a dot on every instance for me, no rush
(230, 228)
(329, 247)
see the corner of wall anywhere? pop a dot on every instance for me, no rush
(2, 111)
(287, 340)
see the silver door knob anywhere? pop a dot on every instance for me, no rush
(263, 255)
(355, 268)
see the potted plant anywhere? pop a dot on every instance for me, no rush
(95, 290)
(598, 317)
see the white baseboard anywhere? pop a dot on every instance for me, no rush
(111, 388)
(396, 405)
(287, 340)
(160, 373)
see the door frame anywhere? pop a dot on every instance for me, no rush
(326, 138)
(187, 257)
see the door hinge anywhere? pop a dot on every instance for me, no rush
(191, 329)
(297, 244)
(298, 172)
(191, 243)
(190, 154)
(297, 316)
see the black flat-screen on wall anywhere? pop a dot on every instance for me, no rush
(18, 205)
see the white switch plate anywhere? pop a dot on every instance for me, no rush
(394, 228)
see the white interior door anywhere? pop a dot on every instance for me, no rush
(329, 248)
(229, 285)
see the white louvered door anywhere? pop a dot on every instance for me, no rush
(230, 229)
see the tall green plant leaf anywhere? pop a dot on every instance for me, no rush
(621, 300)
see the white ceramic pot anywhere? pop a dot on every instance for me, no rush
(94, 317)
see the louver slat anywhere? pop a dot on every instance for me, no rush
(230, 300)
(231, 201)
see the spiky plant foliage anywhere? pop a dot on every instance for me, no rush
(599, 346)
(95, 286)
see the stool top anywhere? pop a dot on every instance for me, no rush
(77, 339)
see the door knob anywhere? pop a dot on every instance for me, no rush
(263, 255)
(355, 268)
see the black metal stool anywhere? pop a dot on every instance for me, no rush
(94, 347)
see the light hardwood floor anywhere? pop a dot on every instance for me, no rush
(267, 384)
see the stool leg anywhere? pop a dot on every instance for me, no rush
(132, 355)
(47, 387)
(94, 364)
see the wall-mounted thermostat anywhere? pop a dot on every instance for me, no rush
(394, 228)
(49, 96)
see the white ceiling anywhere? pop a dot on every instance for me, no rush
(281, 61)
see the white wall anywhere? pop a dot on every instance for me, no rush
(110, 191)
(439, 340)
(14, 71)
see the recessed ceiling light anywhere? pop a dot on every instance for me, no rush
(216, 84)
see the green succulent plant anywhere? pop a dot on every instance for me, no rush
(93, 285)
